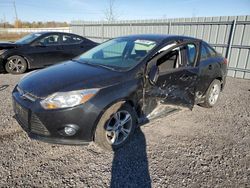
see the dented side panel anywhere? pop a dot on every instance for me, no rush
(174, 88)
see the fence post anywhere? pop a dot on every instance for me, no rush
(102, 32)
(83, 29)
(231, 37)
(169, 27)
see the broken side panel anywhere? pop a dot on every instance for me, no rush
(171, 79)
(176, 88)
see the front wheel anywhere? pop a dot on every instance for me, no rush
(115, 129)
(16, 65)
(212, 94)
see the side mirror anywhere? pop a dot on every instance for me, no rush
(153, 74)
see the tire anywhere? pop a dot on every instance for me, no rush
(16, 65)
(212, 94)
(108, 128)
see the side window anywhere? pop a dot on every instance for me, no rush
(169, 61)
(191, 54)
(70, 39)
(204, 53)
(115, 50)
(179, 57)
(50, 40)
(211, 50)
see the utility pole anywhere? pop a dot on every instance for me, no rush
(4, 21)
(14, 4)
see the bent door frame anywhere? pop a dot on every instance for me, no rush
(150, 90)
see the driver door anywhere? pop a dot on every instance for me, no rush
(174, 77)
(46, 51)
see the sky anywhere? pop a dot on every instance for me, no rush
(89, 10)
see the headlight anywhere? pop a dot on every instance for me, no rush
(68, 99)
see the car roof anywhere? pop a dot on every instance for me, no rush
(157, 37)
(55, 32)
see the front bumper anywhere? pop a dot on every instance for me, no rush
(47, 125)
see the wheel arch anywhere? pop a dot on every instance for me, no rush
(115, 105)
(221, 82)
(10, 55)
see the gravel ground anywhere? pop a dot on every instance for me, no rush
(199, 148)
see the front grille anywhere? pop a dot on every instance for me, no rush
(21, 115)
(36, 126)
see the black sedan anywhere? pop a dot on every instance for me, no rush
(42, 49)
(106, 92)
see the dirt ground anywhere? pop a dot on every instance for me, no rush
(199, 148)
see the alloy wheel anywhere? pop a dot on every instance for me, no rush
(214, 94)
(16, 65)
(119, 127)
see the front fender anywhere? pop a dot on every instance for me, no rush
(111, 98)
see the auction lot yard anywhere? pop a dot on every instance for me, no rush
(199, 148)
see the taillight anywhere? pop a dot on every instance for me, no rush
(225, 61)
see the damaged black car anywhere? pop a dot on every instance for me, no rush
(105, 93)
(41, 49)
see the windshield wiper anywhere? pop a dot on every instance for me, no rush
(105, 66)
(94, 64)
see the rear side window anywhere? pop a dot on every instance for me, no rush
(204, 52)
(70, 39)
(211, 50)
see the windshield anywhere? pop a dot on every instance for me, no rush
(28, 38)
(118, 54)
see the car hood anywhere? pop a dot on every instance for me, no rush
(68, 76)
(7, 45)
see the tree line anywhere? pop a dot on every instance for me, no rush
(38, 24)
